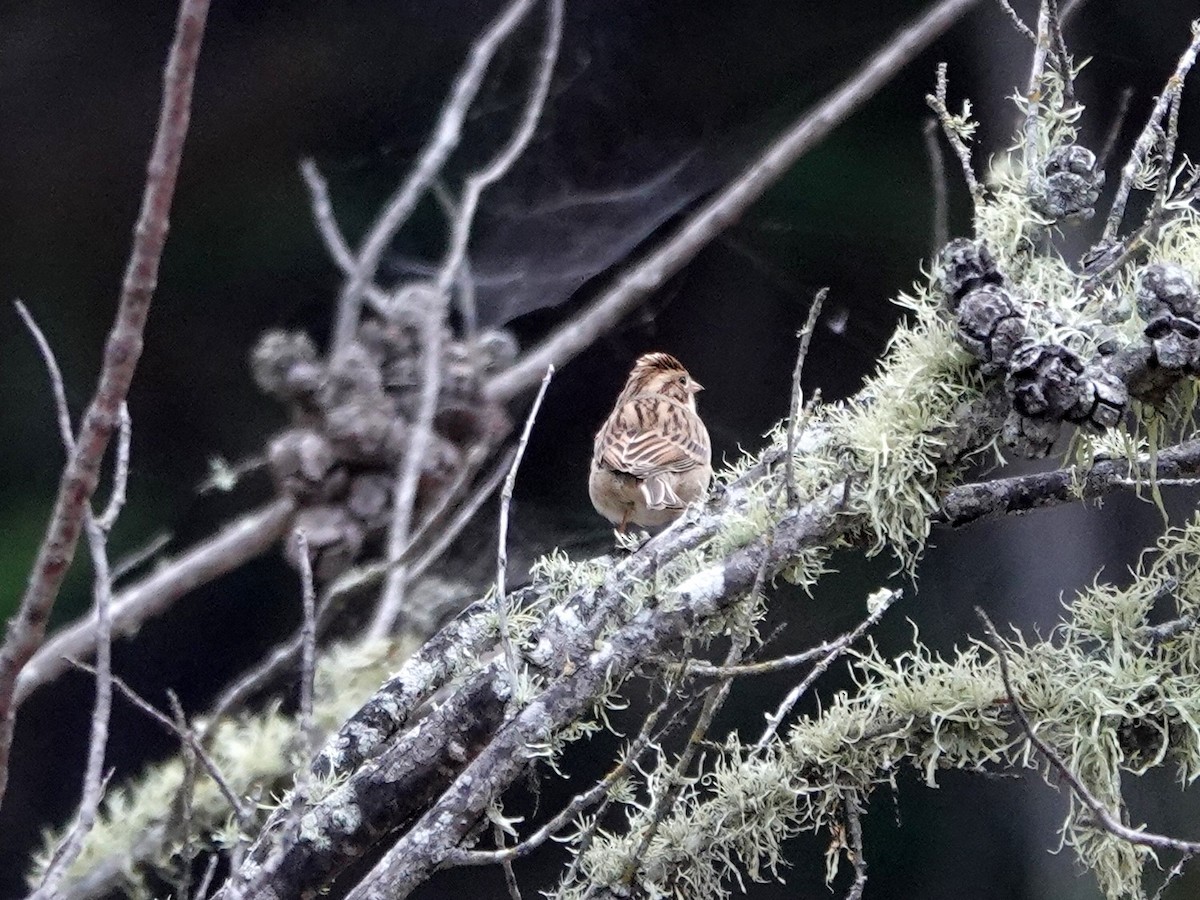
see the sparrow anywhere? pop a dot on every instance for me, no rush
(652, 456)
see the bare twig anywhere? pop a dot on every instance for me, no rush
(465, 513)
(855, 840)
(805, 336)
(1017, 21)
(234, 545)
(123, 348)
(578, 805)
(464, 294)
(1070, 8)
(1149, 136)
(1114, 129)
(138, 557)
(1157, 634)
(727, 206)
(206, 882)
(430, 310)
(121, 473)
(186, 794)
(1175, 871)
(186, 736)
(506, 495)
(1062, 59)
(331, 234)
(937, 102)
(1033, 95)
(840, 646)
(308, 644)
(678, 777)
(94, 779)
(1102, 817)
(448, 500)
(497, 168)
(1168, 140)
(251, 682)
(365, 576)
(510, 877)
(429, 162)
(702, 669)
(941, 202)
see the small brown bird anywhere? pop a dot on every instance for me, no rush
(652, 456)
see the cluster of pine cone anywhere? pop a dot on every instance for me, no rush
(352, 417)
(1049, 384)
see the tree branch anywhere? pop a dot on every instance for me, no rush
(728, 205)
(122, 350)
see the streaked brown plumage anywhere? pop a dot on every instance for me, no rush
(652, 455)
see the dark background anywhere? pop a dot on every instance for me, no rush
(653, 106)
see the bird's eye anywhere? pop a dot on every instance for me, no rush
(683, 379)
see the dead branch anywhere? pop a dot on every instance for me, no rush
(122, 349)
(446, 135)
(646, 276)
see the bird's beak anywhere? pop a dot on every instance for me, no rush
(697, 387)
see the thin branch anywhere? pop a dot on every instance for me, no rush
(430, 310)
(308, 643)
(234, 545)
(251, 682)
(497, 168)
(880, 606)
(94, 779)
(443, 141)
(1158, 634)
(1174, 873)
(664, 804)
(805, 336)
(510, 877)
(1168, 140)
(506, 496)
(182, 826)
(365, 576)
(937, 170)
(206, 882)
(121, 473)
(970, 503)
(138, 557)
(66, 432)
(331, 234)
(1017, 21)
(703, 669)
(1062, 59)
(186, 736)
(1101, 815)
(1149, 136)
(1114, 129)
(579, 804)
(27, 629)
(937, 102)
(855, 841)
(728, 205)
(464, 294)
(1033, 95)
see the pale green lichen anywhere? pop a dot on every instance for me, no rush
(1109, 698)
(257, 755)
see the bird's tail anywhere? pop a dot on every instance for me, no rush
(658, 493)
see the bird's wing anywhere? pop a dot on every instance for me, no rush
(652, 435)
